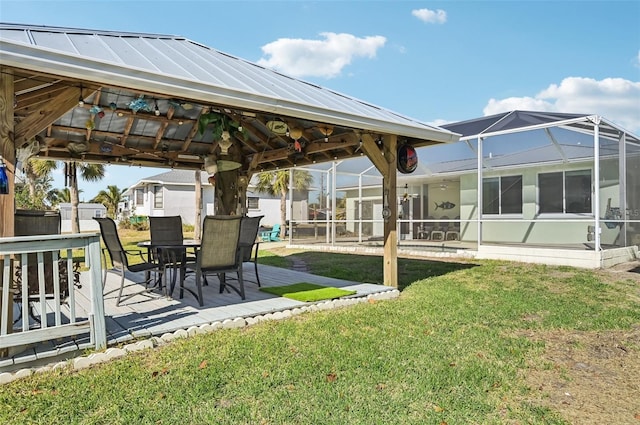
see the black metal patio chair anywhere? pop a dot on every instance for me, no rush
(219, 254)
(168, 229)
(120, 261)
(249, 227)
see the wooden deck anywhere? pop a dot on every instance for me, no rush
(153, 314)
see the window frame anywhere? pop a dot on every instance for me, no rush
(257, 202)
(499, 181)
(564, 212)
(139, 196)
(158, 197)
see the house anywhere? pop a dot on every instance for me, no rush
(546, 182)
(86, 212)
(173, 193)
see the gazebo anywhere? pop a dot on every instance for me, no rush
(79, 95)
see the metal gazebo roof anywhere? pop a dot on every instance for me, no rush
(145, 95)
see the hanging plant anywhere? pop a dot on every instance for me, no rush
(219, 123)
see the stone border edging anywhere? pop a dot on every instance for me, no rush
(85, 362)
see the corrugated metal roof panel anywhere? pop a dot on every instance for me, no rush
(178, 57)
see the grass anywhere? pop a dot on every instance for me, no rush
(448, 350)
(307, 292)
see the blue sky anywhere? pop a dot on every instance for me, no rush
(436, 61)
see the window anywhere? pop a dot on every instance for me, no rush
(564, 192)
(139, 196)
(253, 202)
(502, 195)
(157, 196)
(98, 213)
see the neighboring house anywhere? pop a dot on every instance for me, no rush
(173, 193)
(546, 180)
(86, 213)
(167, 194)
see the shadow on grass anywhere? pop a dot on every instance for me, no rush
(363, 268)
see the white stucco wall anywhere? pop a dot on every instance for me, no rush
(568, 230)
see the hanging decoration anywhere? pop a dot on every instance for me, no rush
(139, 104)
(176, 103)
(296, 134)
(78, 148)
(278, 127)
(405, 196)
(326, 130)
(407, 159)
(4, 180)
(70, 174)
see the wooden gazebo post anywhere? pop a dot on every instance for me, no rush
(7, 202)
(7, 150)
(385, 161)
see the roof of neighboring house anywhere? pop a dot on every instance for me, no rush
(187, 178)
(174, 177)
(82, 205)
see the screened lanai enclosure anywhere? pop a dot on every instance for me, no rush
(555, 188)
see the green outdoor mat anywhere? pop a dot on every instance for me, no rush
(307, 292)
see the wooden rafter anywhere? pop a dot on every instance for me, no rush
(44, 115)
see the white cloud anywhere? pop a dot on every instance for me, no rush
(615, 99)
(637, 60)
(430, 16)
(318, 58)
(438, 122)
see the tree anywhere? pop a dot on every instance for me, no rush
(110, 198)
(58, 196)
(88, 172)
(277, 183)
(37, 174)
(40, 200)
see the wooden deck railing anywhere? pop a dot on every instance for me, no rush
(38, 284)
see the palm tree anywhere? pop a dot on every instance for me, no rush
(88, 172)
(58, 196)
(110, 198)
(277, 183)
(38, 181)
(39, 200)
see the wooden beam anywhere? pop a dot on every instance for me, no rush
(389, 182)
(44, 115)
(32, 99)
(7, 150)
(371, 149)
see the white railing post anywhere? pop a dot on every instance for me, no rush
(32, 252)
(97, 300)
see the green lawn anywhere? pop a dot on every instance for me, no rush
(450, 350)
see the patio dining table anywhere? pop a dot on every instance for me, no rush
(166, 252)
